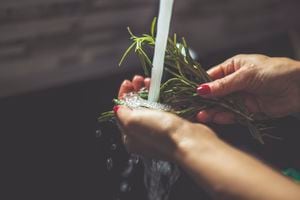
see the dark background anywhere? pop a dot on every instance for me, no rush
(58, 72)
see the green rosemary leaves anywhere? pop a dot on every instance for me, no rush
(184, 76)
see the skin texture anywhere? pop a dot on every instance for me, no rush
(269, 86)
(224, 171)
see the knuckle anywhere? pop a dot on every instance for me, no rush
(174, 123)
(260, 57)
(220, 84)
(169, 123)
(134, 119)
(248, 73)
(239, 56)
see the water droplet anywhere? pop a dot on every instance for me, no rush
(128, 170)
(125, 187)
(164, 167)
(113, 147)
(130, 161)
(98, 133)
(109, 163)
(134, 159)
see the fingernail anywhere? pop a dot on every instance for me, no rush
(116, 108)
(203, 89)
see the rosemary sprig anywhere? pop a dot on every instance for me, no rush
(185, 74)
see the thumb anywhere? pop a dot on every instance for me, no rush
(223, 86)
(123, 115)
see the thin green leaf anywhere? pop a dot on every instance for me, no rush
(185, 75)
(147, 59)
(175, 38)
(153, 24)
(143, 63)
(130, 32)
(126, 53)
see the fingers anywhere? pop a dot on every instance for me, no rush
(147, 83)
(216, 72)
(234, 82)
(123, 115)
(227, 78)
(220, 116)
(227, 67)
(125, 87)
(123, 118)
(138, 82)
(224, 118)
(135, 85)
(215, 116)
(135, 119)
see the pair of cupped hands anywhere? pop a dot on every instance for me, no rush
(270, 86)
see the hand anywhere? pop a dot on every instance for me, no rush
(159, 134)
(270, 86)
(136, 84)
(221, 169)
(208, 160)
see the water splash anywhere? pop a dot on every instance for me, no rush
(134, 159)
(98, 133)
(128, 170)
(109, 163)
(125, 187)
(134, 101)
(113, 147)
(159, 176)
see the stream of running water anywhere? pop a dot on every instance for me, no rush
(159, 176)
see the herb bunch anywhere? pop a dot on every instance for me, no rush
(184, 76)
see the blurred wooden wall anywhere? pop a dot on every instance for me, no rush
(54, 42)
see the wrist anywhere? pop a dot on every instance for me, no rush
(193, 142)
(296, 65)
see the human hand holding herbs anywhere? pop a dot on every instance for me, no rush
(198, 150)
(268, 86)
(179, 90)
(194, 146)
